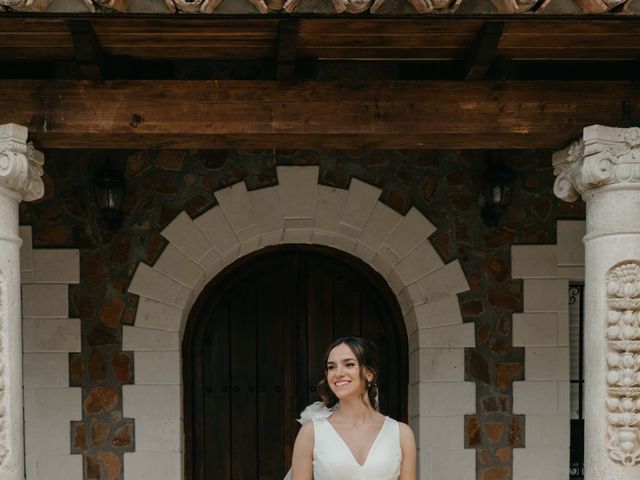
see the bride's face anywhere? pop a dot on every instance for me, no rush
(343, 373)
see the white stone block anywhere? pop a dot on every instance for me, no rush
(545, 431)
(535, 329)
(361, 200)
(444, 282)
(546, 295)
(26, 250)
(448, 398)
(152, 314)
(297, 235)
(151, 401)
(344, 243)
(331, 204)
(422, 261)
(41, 335)
(461, 335)
(364, 253)
(535, 397)
(413, 229)
(147, 466)
(538, 464)
(563, 329)
(157, 368)
(564, 397)
(546, 363)
(158, 434)
(458, 464)
(441, 364)
(416, 403)
(45, 369)
(151, 283)
(265, 204)
(382, 221)
(45, 300)
(395, 282)
(54, 467)
(211, 263)
(384, 261)
(183, 233)
(534, 261)
(52, 403)
(147, 339)
(47, 438)
(236, 206)
(442, 312)
(56, 266)
(570, 245)
(322, 237)
(272, 238)
(445, 433)
(298, 189)
(216, 228)
(574, 274)
(177, 266)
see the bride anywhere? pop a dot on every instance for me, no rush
(344, 437)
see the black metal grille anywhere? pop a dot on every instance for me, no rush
(576, 466)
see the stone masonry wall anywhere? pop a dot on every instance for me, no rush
(444, 186)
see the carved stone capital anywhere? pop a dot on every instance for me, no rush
(603, 156)
(20, 163)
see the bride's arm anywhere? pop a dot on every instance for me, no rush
(302, 461)
(408, 447)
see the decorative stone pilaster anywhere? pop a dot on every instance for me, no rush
(20, 172)
(604, 168)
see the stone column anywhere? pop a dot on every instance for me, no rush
(604, 168)
(20, 171)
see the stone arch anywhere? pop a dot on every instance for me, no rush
(300, 211)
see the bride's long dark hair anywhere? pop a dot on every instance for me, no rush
(366, 354)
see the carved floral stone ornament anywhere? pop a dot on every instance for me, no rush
(20, 164)
(623, 361)
(604, 156)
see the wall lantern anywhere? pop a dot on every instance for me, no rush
(498, 188)
(108, 187)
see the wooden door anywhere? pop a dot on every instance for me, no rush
(253, 353)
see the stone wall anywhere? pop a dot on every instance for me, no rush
(444, 186)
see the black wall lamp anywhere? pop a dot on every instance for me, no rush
(499, 181)
(108, 187)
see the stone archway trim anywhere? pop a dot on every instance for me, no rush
(543, 329)
(299, 210)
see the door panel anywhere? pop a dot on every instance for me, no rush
(253, 353)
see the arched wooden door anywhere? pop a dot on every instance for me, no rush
(253, 352)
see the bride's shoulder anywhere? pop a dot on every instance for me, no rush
(406, 435)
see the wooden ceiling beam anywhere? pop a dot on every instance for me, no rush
(287, 49)
(272, 114)
(87, 49)
(483, 51)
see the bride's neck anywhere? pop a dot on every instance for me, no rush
(355, 410)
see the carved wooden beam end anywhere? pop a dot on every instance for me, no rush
(600, 6)
(25, 5)
(519, 6)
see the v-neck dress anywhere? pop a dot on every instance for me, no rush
(333, 460)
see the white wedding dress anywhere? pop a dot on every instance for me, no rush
(333, 460)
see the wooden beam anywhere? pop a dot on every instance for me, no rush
(272, 114)
(86, 46)
(287, 47)
(483, 51)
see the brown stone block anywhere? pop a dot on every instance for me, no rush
(155, 244)
(484, 457)
(397, 201)
(542, 208)
(497, 473)
(101, 336)
(405, 175)
(503, 455)
(514, 214)
(336, 178)
(83, 305)
(136, 164)
(506, 373)
(111, 311)
(500, 347)
(428, 158)
(306, 157)
(48, 213)
(112, 465)
(475, 282)
(92, 468)
(441, 242)
(123, 438)
(472, 308)
(477, 367)
(500, 237)
(121, 362)
(97, 367)
(99, 432)
(429, 188)
(505, 300)
(214, 159)
(484, 332)
(496, 269)
(101, 399)
(120, 249)
(472, 432)
(75, 369)
(496, 404)
(196, 205)
(515, 433)
(462, 202)
(534, 233)
(160, 183)
(493, 431)
(95, 269)
(210, 182)
(377, 159)
(170, 159)
(79, 436)
(456, 178)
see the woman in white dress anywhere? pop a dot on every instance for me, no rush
(346, 437)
